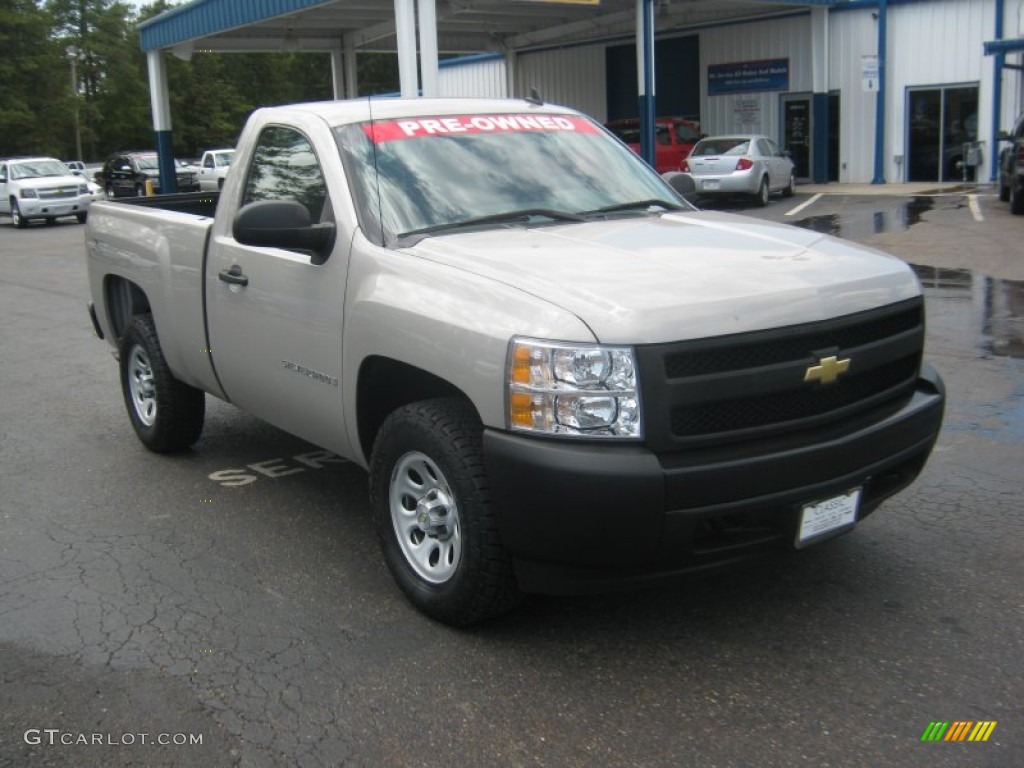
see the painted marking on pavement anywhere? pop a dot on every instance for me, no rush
(972, 203)
(805, 203)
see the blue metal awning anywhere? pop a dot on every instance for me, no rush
(207, 17)
(992, 47)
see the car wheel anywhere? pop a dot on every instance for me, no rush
(433, 515)
(82, 217)
(1004, 193)
(790, 189)
(111, 194)
(17, 219)
(761, 198)
(167, 414)
(140, 190)
(220, 184)
(1016, 199)
(50, 221)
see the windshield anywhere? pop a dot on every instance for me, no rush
(147, 162)
(505, 169)
(223, 159)
(34, 169)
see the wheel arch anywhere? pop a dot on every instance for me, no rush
(123, 299)
(384, 385)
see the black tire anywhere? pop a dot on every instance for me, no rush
(428, 460)
(220, 184)
(111, 193)
(1016, 198)
(82, 217)
(1004, 193)
(17, 219)
(51, 220)
(167, 415)
(790, 189)
(761, 198)
(140, 190)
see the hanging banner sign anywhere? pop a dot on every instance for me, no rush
(748, 77)
(394, 130)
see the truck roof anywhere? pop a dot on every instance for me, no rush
(361, 110)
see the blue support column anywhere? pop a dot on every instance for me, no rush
(645, 72)
(819, 137)
(880, 99)
(162, 122)
(997, 97)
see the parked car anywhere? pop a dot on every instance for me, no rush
(674, 138)
(77, 167)
(41, 188)
(213, 168)
(126, 173)
(1011, 168)
(740, 165)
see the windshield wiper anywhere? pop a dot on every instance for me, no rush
(523, 215)
(636, 205)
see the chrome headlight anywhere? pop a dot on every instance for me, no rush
(580, 390)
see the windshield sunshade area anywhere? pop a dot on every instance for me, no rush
(444, 173)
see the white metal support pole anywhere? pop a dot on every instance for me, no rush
(405, 31)
(427, 17)
(337, 73)
(161, 105)
(351, 74)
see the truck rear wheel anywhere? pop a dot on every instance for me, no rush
(167, 415)
(432, 511)
(1016, 198)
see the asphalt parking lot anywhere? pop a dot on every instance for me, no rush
(234, 594)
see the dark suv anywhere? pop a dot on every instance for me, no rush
(1011, 167)
(126, 173)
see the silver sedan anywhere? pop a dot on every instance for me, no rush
(740, 165)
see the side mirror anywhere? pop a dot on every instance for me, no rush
(283, 224)
(682, 183)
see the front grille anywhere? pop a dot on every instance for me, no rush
(59, 193)
(747, 386)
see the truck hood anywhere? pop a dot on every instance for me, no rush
(51, 183)
(680, 276)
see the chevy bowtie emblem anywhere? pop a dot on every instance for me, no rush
(828, 370)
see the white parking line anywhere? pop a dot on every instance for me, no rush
(972, 203)
(805, 203)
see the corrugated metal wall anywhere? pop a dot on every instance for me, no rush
(574, 77)
(472, 77)
(852, 35)
(775, 39)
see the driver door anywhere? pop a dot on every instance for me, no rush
(275, 318)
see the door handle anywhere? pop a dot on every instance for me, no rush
(233, 276)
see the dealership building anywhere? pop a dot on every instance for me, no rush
(858, 91)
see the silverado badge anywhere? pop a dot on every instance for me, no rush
(828, 370)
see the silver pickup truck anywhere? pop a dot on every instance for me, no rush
(560, 375)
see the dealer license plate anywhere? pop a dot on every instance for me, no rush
(824, 518)
(712, 184)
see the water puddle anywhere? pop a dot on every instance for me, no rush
(986, 313)
(859, 224)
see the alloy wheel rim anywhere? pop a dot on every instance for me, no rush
(425, 518)
(141, 386)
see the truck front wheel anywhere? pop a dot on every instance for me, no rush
(167, 415)
(433, 514)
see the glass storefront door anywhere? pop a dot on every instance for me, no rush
(939, 122)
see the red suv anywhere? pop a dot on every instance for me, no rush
(674, 138)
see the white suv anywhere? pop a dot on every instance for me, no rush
(41, 188)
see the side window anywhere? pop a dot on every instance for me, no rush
(686, 134)
(661, 134)
(284, 167)
(208, 161)
(773, 150)
(764, 149)
(3, 174)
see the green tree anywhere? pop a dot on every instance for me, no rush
(36, 83)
